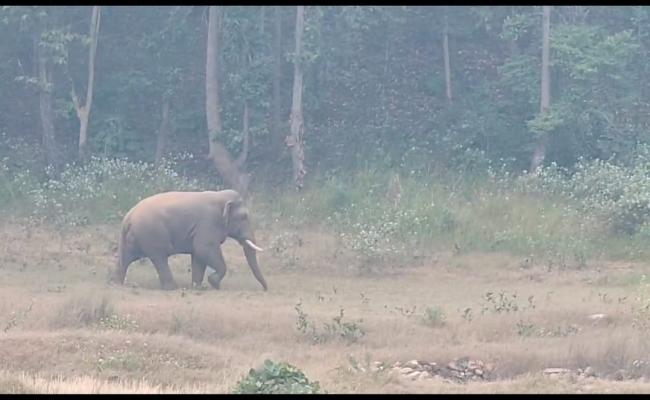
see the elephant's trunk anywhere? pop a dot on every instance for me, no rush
(251, 258)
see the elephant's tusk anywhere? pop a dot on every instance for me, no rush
(253, 245)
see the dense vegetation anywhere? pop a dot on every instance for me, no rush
(419, 123)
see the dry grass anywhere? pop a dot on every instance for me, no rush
(65, 331)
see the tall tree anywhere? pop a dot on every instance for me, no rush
(295, 139)
(276, 118)
(164, 130)
(445, 52)
(83, 110)
(45, 86)
(542, 140)
(229, 170)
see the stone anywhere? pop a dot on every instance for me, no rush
(414, 375)
(589, 372)
(454, 366)
(556, 371)
(423, 376)
(412, 364)
(405, 370)
(618, 375)
(478, 372)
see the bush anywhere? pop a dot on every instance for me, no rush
(277, 378)
(101, 190)
(434, 317)
(617, 195)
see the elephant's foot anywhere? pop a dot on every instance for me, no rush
(215, 280)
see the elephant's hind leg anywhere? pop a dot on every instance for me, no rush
(164, 273)
(121, 266)
(198, 271)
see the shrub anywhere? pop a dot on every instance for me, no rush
(277, 378)
(618, 195)
(102, 190)
(434, 317)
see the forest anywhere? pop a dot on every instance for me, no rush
(494, 160)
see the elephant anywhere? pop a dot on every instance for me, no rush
(194, 223)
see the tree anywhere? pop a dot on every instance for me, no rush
(445, 52)
(83, 110)
(229, 170)
(295, 139)
(276, 116)
(539, 152)
(164, 130)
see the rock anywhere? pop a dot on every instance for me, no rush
(600, 319)
(589, 372)
(478, 372)
(414, 375)
(431, 366)
(454, 366)
(556, 371)
(405, 370)
(618, 375)
(397, 364)
(412, 364)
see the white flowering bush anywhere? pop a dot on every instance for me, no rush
(618, 195)
(102, 190)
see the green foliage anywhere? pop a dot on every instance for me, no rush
(617, 195)
(434, 317)
(349, 332)
(99, 191)
(504, 302)
(277, 378)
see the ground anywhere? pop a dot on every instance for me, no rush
(64, 329)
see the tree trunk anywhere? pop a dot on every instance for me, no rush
(542, 141)
(241, 159)
(276, 118)
(163, 131)
(295, 139)
(83, 110)
(45, 106)
(445, 53)
(220, 156)
(211, 81)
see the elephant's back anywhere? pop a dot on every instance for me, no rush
(163, 205)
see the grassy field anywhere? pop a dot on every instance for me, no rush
(64, 330)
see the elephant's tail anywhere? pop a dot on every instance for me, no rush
(124, 256)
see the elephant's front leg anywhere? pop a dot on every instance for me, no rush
(215, 260)
(198, 272)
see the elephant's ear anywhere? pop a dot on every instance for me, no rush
(227, 210)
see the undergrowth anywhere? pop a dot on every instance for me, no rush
(557, 217)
